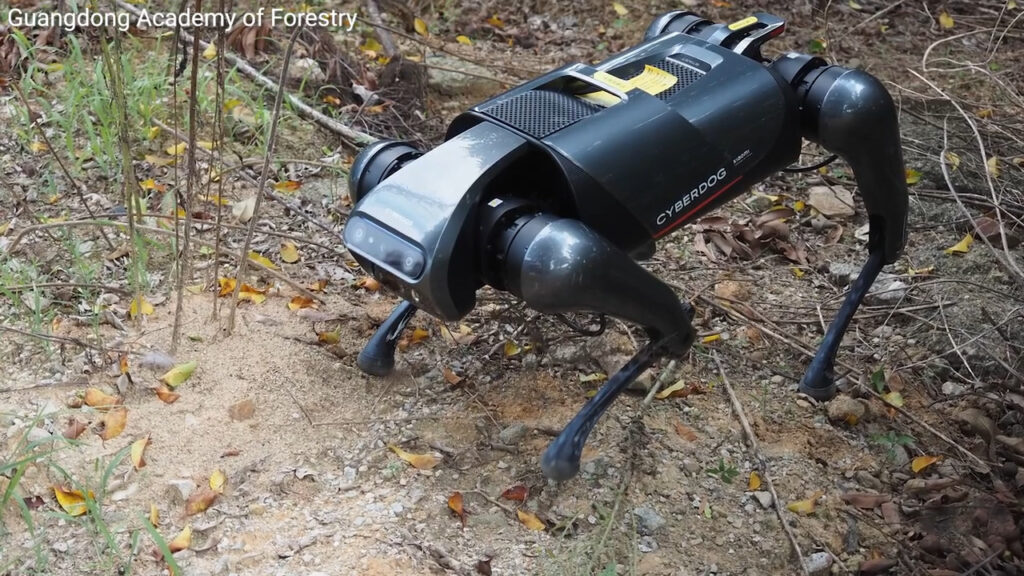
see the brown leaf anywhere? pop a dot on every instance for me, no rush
(242, 410)
(921, 487)
(455, 504)
(300, 302)
(1015, 444)
(865, 500)
(732, 290)
(182, 541)
(702, 247)
(74, 428)
(137, 450)
(517, 493)
(199, 501)
(876, 566)
(685, 432)
(166, 395)
(775, 214)
(483, 567)
(979, 423)
(451, 377)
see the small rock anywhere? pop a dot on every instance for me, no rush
(649, 519)
(876, 566)
(513, 434)
(842, 273)
(397, 508)
(776, 379)
(900, 458)
(764, 499)
(647, 544)
(181, 488)
(886, 293)
(818, 563)
(156, 361)
(37, 434)
(845, 409)
(596, 466)
(691, 467)
(350, 474)
(305, 69)
(868, 480)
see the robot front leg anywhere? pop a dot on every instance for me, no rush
(559, 265)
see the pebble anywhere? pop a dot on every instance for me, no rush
(397, 508)
(691, 466)
(37, 434)
(649, 519)
(182, 488)
(818, 563)
(764, 499)
(776, 379)
(952, 388)
(513, 434)
(845, 409)
(900, 458)
(647, 544)
(350, 474)
(502, 464)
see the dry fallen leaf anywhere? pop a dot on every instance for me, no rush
(463, 40)
(166, 395)
(300, 302)
(495, 21)
(992, 165)
(922, 462)
(217, 481)
(184, 538)
(319, 285)
(893, 398)
(112, 423)
(135, 309)
(263, 260)
(98, 399)
(805, 507)
(679, 390)
(418, 334)
(199, 501)
(913, 176)
(962, 246)
(865, 500)
(138, 447)
(154, 515)
(945, 20)
(243, 209)
(517, 493)
(289, 252)
(329, 338)
(72, 501)
(685, 432)
(619, 9)
(451, 377)
(287, 185)
(242, 410)
(179, 374)
(530, 520)
(369, 283)
(418, 461)
(74, 429)
(455, 504)
(754, 482)
(421, 27)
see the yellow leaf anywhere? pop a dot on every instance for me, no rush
(799, 206)
(72, 501)
(199, 501)
(211, 52)
(166, 395)
(154, 515)
(138, 447)
(98, 399)
(52, 67)
(177, 149)
(159, 160)
(953, 159)
(418, 334)
(289, 253)
(495, 21)
(328, 338)
(319, 285)
(152, 133)
(231, 103)
(38, 147)
(227, 286)
(300, 302)
(418, 461)
(667, 392)
(371, 45)
(962, 246)
(804, 507)
(922, 462)
(993, 166)
(945, 20)
(985, 113)
(287, 185)
(113, 423)
(463, 40)
(135, 309)
(369, 283)
(913, 176)
(754, 482)
(152, 185)
(179, 374)
(257, 257)
(921, 271)
(182, 541)
(217, 481)
(619, 9)
(206, 144)
(710, 338)
(1011, 5)
(595, 377)
(455, 505)
(421, 27)
(530, 520)
(511, 349)
(893, 398)
(854, 5)
(332, 100)
(797, 272)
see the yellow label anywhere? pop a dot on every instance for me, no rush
(743, 23)
(652, 81)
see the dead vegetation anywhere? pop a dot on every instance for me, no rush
(153, 187)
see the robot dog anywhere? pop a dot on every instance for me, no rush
(555, 189)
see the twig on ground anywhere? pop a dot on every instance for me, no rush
(301, 407)
(386, 40)
(304, 110)
(752, 441)
(243, 258)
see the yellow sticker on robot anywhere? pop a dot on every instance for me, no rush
(652, 81)
(740, 24)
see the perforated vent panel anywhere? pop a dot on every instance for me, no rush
(541, 112)
(685, 75)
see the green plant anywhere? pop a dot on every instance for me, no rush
(891, 440)
(724, 472)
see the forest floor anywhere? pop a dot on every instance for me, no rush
(278, 456)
